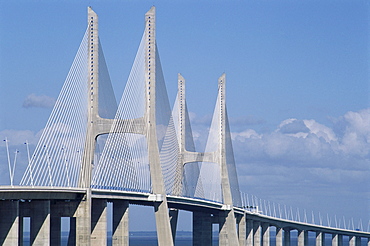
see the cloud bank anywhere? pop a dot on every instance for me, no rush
(34, 101)
(323, 168)
(309, 143)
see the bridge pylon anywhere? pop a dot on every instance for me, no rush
(96, 125)
(221, 156)
(228, 233)
(145, 125)
(164, 232)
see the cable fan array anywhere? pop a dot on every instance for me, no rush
(124, 164)
(166, 133)
(210, 173)
(58, 154)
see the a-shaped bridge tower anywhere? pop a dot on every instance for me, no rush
(217, 178)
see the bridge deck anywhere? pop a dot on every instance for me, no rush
(148, 199)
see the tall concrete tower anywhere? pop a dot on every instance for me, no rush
(202, 231)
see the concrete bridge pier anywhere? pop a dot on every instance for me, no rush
(242, 229)
(302, 238)
(202, 228)
(120, 232)
(320, 238)
(174, 214)
(358, 241)
(20, 230)
(83, 220)
(286, 236)
(256, 233)
(40, 222)
(227, 232)
(55, 228)
(9, 216)
(354, 241)
(337, 240)
(265, 234)
(99, 222)
(351, 241)
(279, 236)
(249, 232)
(72, 232)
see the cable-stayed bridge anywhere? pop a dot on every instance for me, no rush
(147, 158)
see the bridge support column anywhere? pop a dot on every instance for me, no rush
(164, 234)
(9, 226)
(227, 233)
(40, 222)
(120, 223)
(302, 238)
(279, 236)
(249, 232)
(286, 237)
(99, 222)
(83, 220)
(20, 231)
(242, 228)
(202, 229)
(256, 233)
(72, 231)
(354, 241)
(351, 241)
(358, 241)
(265, 234)
(337, 240)
(320, 238)
(55, 229)
(174, 213)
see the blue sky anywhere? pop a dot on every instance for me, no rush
(297, 84)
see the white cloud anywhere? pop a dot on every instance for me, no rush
(302, 129)
(305, 162)
(320, 130)
(307, 141)
(35, 101)
(356, 134)
(241, 136)
(292, 126)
